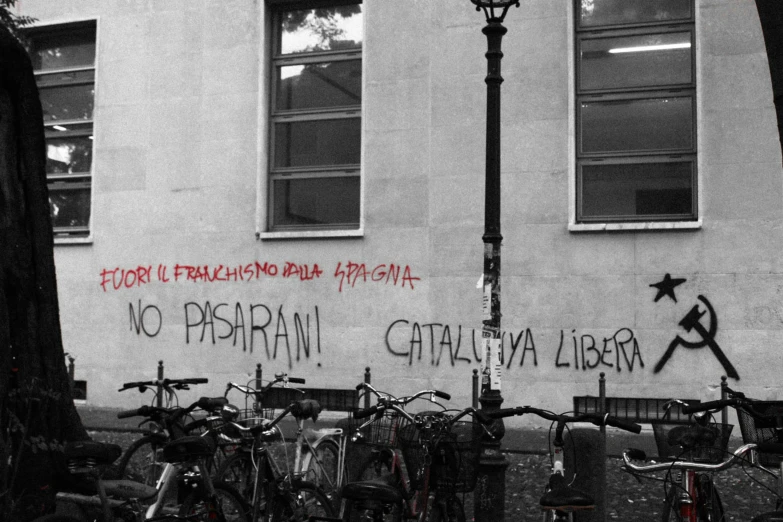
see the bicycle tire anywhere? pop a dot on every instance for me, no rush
(671, 507)
(707, 504)
(233, 507)
(304, 500)
(57, 518)
(238, 472)
(321, 466)
(355, 513)
(447, 510)
(142, 461)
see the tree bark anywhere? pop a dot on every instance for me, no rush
(37, 413)
(771, 17)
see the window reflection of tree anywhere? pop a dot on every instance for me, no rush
(325, 24)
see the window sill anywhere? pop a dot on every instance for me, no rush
(310, 234)
(620, 227)
(73, 241)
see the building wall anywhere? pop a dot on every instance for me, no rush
(180, 151)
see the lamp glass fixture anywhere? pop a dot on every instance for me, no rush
(489, 7)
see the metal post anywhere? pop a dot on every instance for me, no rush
(723, 394)
(71, 370)
(600, 514)
(475, 388)
(367, 379)
(490, 494)
(259, 382)
(160, 384)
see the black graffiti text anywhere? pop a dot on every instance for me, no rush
(282, 335)
(587, 355)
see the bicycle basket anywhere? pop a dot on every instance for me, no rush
(382, 432)
(455, 457)
(707, 444)
(250, 417)
(762, 428)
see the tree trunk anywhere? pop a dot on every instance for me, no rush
(36, 408)
(771, 17)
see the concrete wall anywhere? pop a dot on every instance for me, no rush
(180, 147)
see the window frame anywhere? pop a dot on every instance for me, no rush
(85, 127)
(577, 220)
(269, 172)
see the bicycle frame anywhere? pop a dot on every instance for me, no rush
(154, 511)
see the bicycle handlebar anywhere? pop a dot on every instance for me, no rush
(738, 455)
(164, 382)
(596, 418)
(712, 405)
(205, 403)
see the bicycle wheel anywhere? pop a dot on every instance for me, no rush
(708, 506)
(671, 507)
(238, 472)
(56, 518)
(447, 510)
(142, 461)
(321, 467)
(197, 507)
(359, 511)
(304, 500)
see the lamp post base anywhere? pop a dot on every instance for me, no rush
(490, 494)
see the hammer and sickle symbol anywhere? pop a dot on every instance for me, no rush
(691, 321)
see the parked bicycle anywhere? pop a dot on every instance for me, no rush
(560, 499)
(141, 461)
(761, 423)
(93, 497)
(318, 454)
(273, 490)
(693, 451)
(439, 460)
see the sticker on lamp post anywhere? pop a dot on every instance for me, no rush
(490, 361)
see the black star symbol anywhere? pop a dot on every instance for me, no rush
(666, 287)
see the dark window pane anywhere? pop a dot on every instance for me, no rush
(611, 12)
(73, 48)
(636, 61)
(70, 207)
(319, 85)
(322, 29)
(318, 143)
(68, 102)
(316, 201)
(68, 155)
(637, 125)
(637, 190)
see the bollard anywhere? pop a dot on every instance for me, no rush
(475, 389)
(160, 384)
(367, 379)
(71, 369)
(259, 385)
(723, 394)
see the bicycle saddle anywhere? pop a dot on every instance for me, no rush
(378, 489)
(306, 409)
(100, 453)
(563, 497)
(691, 436)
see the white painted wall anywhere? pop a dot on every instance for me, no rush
(177, 155)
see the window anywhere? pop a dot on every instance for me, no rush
(316, 95)
(635, 111)
(64, 64)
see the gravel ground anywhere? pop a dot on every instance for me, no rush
(628, 498)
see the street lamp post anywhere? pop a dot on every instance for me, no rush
(490, 492)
